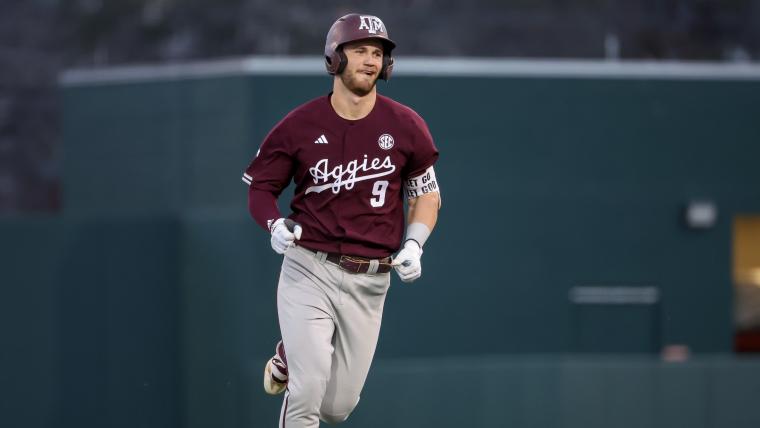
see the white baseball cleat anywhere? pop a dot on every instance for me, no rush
(276, 371)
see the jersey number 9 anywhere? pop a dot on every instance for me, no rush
(379, 191)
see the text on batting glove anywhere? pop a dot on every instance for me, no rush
(408, 263)
(282, 238)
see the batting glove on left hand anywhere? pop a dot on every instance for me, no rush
(284, 233)
(408, 263)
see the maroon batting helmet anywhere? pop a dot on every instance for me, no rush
(353, 27)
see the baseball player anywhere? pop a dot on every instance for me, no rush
(353, 155)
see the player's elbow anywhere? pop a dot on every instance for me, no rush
(436, 197)
(431, 200)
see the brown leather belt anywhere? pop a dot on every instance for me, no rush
(356, 264)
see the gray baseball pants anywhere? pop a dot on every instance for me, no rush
(329, 321)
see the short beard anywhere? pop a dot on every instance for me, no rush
(352, 85)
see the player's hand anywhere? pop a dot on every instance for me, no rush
(408, 262)
(284, 234)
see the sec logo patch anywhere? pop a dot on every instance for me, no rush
(385, 141)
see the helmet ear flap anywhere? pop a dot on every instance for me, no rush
(335, 61)
(385, 72)
(343, 61)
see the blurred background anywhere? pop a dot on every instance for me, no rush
(611, 147)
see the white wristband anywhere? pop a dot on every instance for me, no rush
(417, 232)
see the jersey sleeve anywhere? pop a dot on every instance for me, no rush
(272, 168)
(424, 153)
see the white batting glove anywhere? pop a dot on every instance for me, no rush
(408, 262)
(282, 237)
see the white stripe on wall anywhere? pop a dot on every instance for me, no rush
(420, 66)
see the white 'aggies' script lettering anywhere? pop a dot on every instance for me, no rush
(346, 176)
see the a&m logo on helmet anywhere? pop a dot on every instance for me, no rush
(371, 23)
(385, 141)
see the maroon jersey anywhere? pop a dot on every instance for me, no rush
(348, 173)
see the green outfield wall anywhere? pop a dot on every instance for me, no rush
(154, 292)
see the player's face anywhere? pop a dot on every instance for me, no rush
(365, 60)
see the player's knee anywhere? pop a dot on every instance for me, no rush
(332, 418)
(337, 412)
(307, 392)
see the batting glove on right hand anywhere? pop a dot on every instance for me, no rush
(284, 233)
(408, 262)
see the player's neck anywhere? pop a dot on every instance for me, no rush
(349, 105)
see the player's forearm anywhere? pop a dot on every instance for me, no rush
(262, 206)
(424, 209)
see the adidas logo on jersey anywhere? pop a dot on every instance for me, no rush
(321, 140)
